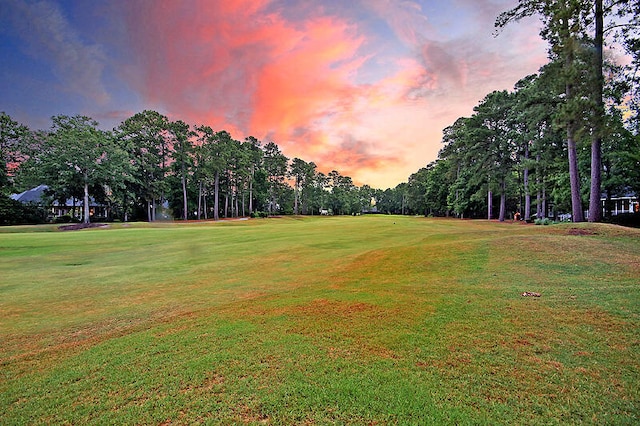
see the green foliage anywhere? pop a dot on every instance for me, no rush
(15, 213)
(143, 137)
(626, 219)
(76, 157)
(576, 30)
(63, 219)
(181, 153)
(543, 221)
(275, 167)
(12, 135)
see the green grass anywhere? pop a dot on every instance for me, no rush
(338, 320)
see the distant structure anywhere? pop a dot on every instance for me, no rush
(72, 207)
(624, 204)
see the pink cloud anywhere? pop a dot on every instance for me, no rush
(309, 80)
(353, 155)
(237, 65)
(246, 67)
(199, 60)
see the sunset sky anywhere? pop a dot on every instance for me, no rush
(364, 87)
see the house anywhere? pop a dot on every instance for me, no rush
(31, 196)
(626, 203)
(71, 207)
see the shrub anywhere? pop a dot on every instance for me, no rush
(101, 219)
(13, 212)
(259, 214)
(625, 219)
(63, 219)
(543, 221)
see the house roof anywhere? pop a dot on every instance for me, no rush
(625, 193)
(37, 196)
(33, 195)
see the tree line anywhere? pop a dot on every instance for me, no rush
(561, 139)
(151, 168)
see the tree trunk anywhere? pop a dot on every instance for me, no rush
(234, 203)
(251, 191)
(233, 194)
(85, 201)
(574, 178)
(184, 197)
(595, 208)
(538, 187)
(607, 203)
(216, 197)
(199, 199)
(503, 201)
(544, 200)
(295, 198)
(527, 193)
(576, 203)
(489, 204)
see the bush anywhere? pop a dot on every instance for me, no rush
(63, 219)
(625, 219)
(13, 212)
(543, 221)
(101, 219)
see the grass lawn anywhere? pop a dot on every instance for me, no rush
(332, 320)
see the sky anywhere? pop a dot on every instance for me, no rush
(364, 87)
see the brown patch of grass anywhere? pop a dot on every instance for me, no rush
(79, 226)
(212, 384)
(27, 351)
(588, 372)
(336, 309)
(597, 318)
(249, 415)
(581, 231)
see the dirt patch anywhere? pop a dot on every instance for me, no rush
(78, 226)
(581, 231)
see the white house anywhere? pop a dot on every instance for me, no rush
(623, 204)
